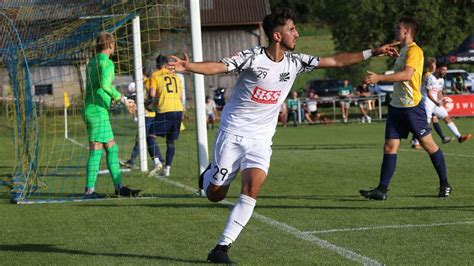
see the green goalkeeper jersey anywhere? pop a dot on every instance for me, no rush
(99, 89)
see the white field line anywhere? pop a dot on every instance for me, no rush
(348, 254)
(77, 143)
(447, 154)
(388, 227)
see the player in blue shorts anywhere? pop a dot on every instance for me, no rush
(406, 112)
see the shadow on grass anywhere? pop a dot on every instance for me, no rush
(332, 146)
(46, 248)
(162, 205)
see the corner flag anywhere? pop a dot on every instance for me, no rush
(67, 103)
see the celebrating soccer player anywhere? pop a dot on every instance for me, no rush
(248, 121)
(99, 94)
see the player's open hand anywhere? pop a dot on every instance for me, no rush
(131, 106)
(179, 64)
(371, 78)
(387, 49)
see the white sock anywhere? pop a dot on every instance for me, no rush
(157, 161)
(238, 218)
(454, 129)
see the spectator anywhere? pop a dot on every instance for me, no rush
(311, 109)
(211, 112)
(362, 92)
(458, 84)
(292, 107)
(283, 114)
(345, 94)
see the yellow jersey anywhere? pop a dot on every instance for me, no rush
(147, 83)
(168, 91)
(408, 93)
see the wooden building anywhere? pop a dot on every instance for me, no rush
(229, 27)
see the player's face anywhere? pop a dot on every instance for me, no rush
(112, 48)
(442, 71)
(401, 31)
(289, 34)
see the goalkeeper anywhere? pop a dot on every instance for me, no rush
(99, 94)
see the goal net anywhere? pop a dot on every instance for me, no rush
(44, 49)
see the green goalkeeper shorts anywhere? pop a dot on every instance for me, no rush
(99, 128)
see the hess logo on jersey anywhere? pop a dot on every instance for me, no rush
(265, 96)
(284, 76)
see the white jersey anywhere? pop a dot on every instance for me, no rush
(261, 88)
(435, 85)
(311, 104)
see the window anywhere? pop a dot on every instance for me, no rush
(44, 89)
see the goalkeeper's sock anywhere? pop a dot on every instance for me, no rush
(113, 164)
(238, 218)
(93, 164)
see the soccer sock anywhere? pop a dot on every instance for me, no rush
(238, 218)
(454, 129)
(388, 169)
(152, 148)
(207, 178)
(156, 149)
(170, 150)
(113, 164)
(438, 130)
(437, 159)
(93, 164)
(135, 152)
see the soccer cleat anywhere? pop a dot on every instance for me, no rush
(155, 170)
(127, 192)
(445, 191)
(463, 138)
(369, 119)
(126, 164)
(363, 120)
(93, 195)
(166, 171)
(219, 255)
(447, 140)
(374, 194)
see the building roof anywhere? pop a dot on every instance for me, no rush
(233, 12)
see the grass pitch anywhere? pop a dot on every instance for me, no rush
(309, 210)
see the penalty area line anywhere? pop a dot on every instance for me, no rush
(388, 227)
(343, 252)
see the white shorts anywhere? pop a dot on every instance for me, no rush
(433, 109)
(233, 153)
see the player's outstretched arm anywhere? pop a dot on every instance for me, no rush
(404, 75)
(205, 68)
(347, 59)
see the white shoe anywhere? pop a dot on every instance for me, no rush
(155, 170)
(166, 171)
(363, 120)
(201, 193)
(369, 119)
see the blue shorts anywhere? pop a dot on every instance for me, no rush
(167, 125)
(401, 121)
